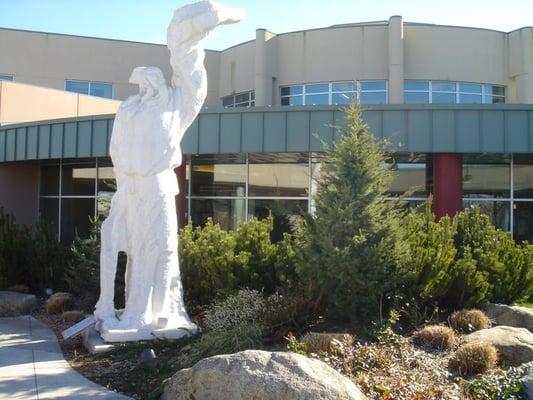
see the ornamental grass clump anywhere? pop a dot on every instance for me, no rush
(57, 303)
(473, 358)
(434, 337)
(322, 342)
(466, 321)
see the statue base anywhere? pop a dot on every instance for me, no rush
(133, 335)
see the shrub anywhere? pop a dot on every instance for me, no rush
(350, 250)
(465, 261)
(30, 257)
(436, 337)
(322, 342)
(500, 385)
(465, 321)
(473, 358)
(57, 303)
(215, 263)
(73, 316)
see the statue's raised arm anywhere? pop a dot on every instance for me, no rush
(190, 24)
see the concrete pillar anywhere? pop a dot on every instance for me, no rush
(181, 198)
(396, 60)
(261, 87)
(524, 80)
(447, 184)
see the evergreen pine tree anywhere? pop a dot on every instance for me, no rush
(352, 247)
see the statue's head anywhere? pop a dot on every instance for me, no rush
(149, 79)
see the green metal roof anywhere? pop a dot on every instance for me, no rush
(506, 128)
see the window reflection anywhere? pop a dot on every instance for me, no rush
(229, 213)
(486, 177)
(218, 175)
(523, 221)
(49, 182)
(497, 211)
(409, 175)
(78, 179)
(523, 176)
(75, 218)
(261, 208)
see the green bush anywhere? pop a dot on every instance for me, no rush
(215, 263)
(466, 262)
(351, 251)
(30, 256)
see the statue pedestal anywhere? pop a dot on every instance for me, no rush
(132, 335)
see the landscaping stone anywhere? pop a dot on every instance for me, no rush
(502, 314)
(514, 345)
(260, 375)
(13, 304)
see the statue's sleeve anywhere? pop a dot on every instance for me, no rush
(189, 78)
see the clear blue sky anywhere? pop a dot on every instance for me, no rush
(146, 20)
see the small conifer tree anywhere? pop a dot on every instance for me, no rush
(352, 248)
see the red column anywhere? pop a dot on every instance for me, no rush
(447, 184)
(181, 200)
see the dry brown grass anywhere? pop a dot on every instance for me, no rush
(19, 289)
(473, 358)
(73, 316)
(57, 303)
(466, 321)
(435, 337)
(321, 342)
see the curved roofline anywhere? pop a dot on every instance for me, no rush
(92, 37)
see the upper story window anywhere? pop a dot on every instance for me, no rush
(6, 77)
(99, 89)
(246, 99)
(443, 92)
(362, 92)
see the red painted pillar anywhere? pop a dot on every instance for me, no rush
(181, 199)
(447, 184)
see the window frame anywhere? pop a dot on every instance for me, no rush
(249, 103)
(457, 92)
(89, 83)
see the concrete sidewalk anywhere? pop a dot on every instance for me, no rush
(32, 366)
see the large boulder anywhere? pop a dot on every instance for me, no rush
(502, 314)
(260, 375)
(13, 304)
(514, 345)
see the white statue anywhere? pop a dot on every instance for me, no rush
(145, 149)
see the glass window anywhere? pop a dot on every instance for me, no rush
(498, 211)
(443, 86)
(49, 210)
(416, 97)
(409, 175)
(227, 101)
(373, 85)
(470, 88)
(470, 98)
(75, 218)
(523, 176)
(291, 90)
(373, 98)
(261, 208)
(49, 182)
(343, 98)
(246, 99)
(292, 101)
(5, 77)
(78, 179)
(523, 221)
(316, 99)
(494, 90)
(317, 88)
(219, 175)
(77, 87)
(443, 98)
(101, 90)
(343, 87)
(486, 177)
(229, 213)
(494, 99)
(415, 85)
(279, 175)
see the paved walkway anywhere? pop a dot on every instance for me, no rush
(32, 366)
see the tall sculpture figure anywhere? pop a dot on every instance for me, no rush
(145, 149)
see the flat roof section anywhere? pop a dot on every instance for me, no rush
(498, 128)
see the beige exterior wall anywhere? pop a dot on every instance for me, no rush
(21, 103)
(391, 50)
